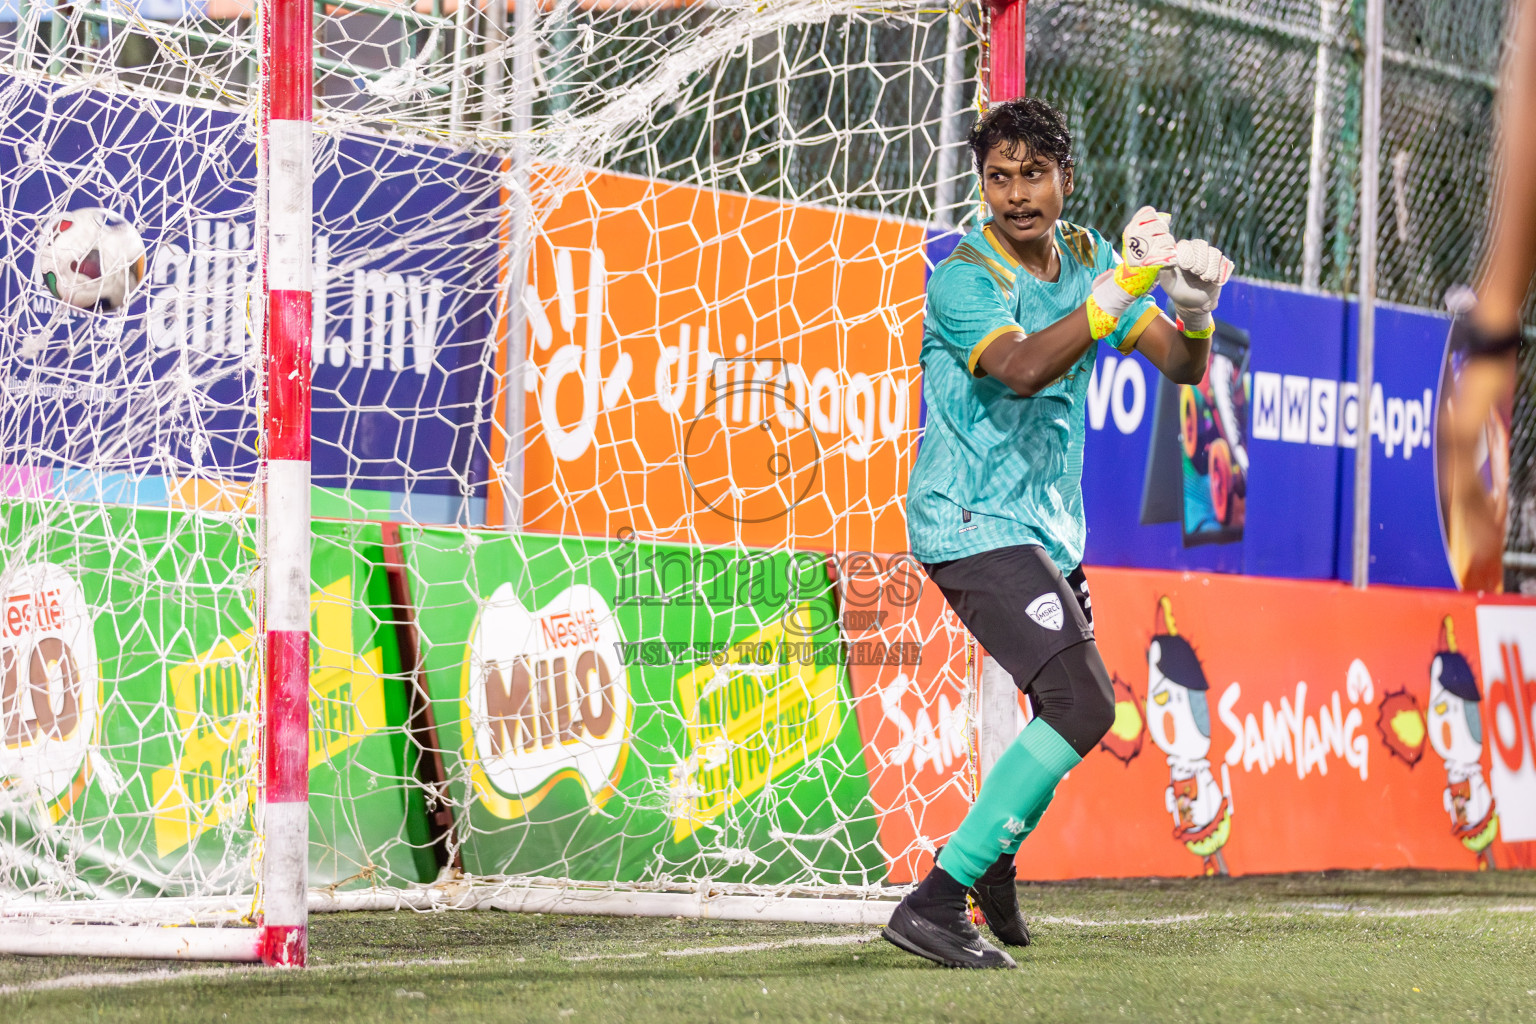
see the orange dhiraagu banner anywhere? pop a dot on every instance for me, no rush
(1262, 726)
(913, 717)
(713, 368)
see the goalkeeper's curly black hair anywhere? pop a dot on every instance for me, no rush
(1022, 127)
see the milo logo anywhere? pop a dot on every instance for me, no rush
(545, 698)
(48, 681)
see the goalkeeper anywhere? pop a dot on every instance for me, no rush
(995, 507)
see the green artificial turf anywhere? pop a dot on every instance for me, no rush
(1401, 946)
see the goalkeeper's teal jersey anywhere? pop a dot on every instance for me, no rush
(996, 469)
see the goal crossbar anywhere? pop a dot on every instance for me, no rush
(701, 903)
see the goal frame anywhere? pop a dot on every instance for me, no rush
(278, 934)
(284, 198)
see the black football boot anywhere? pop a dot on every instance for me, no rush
(932, 922)
(997, 894)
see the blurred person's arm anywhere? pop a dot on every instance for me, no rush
(1512, 254)
(1506, 279)
(1474, 424)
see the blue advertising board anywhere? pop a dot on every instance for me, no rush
(406, 279)
(1300, 401)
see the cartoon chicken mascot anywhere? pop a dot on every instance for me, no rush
(1179, 719)
(1456, 732)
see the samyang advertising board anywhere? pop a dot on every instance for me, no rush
(1260, 726)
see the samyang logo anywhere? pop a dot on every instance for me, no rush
(48, 686)
(545, 698)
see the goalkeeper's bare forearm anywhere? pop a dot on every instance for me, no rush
(1027, 364)
(1178, 356)
(1191, 271)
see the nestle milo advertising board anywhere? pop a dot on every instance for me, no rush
(633, 711)
(129, 670)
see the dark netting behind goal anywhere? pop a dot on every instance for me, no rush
(1244, 118)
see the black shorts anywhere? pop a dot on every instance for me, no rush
(1017, 605)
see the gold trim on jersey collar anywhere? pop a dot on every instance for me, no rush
(1012, 260)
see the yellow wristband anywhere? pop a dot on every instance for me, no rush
(1198, 334)
(1100, 324)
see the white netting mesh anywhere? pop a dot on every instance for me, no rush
(644, 280)
(720, 212)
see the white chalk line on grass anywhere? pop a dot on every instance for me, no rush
(751, 947)
(1387, 912)
(117, 979)
(1310, 911)
(1083, 922)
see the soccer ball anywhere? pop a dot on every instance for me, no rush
(90, 258)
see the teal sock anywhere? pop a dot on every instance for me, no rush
(1030, 821)
(1012, 799)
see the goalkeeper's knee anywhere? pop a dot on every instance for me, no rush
(1074, 695)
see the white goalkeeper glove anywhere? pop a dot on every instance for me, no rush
(1193, 282)
(1146, 247)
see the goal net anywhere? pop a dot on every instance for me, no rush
(613, 331)
(613, 321)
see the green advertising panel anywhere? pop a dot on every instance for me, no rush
(636, 712)
(130, 709)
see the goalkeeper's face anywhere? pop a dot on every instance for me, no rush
(1025, 192)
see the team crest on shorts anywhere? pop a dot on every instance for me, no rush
(1046, 610)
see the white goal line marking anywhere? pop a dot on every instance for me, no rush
(1305, 911)
(1082, 922)
(1511, 908)
(117, 979)
(751, 947)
